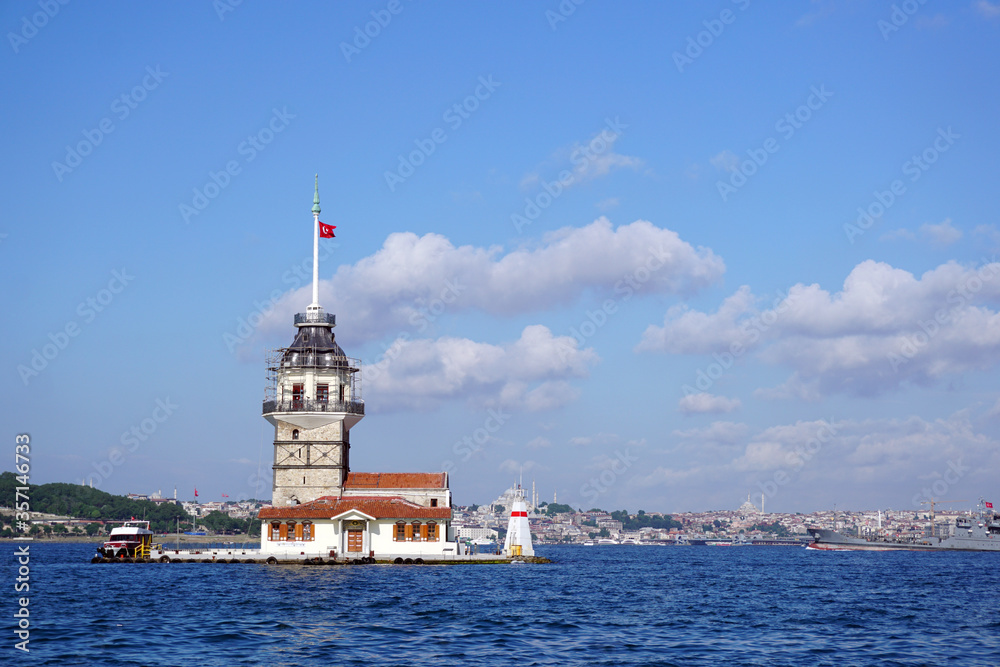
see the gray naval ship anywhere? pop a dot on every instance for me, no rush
(980, 531)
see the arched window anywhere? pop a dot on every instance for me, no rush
(290, 529)
(275, 531)
(416, 531)
(432, 534)
(295, 434)
(400, 533)
(307, 531)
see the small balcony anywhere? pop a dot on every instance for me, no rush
(349, 407)
(316, 317)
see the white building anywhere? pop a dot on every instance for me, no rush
(320, 506)
(464, 533)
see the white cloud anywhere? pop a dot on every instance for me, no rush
(707, 403)
(901, 233)
(720, 432)
(938, 235)
(884, 328)
(793, 387)
(725, 161)
(517, 467)
(538, 443)
(942, 234)
(529, 374)
(590, 160)
(412, 280)
(987, 9)
(989, 232)
(687, 331)
(595, 439)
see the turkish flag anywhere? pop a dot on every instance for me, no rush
(196, 493)
(989, 505)
(326, 231)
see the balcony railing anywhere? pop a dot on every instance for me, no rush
(350, 407)
(318, 317)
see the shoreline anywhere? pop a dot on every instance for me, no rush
(164, 540)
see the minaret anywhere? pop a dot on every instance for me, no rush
(313, 399)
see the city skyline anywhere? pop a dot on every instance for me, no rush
(651, 257)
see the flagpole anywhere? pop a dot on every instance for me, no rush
(315, 211)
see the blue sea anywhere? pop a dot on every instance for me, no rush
(593, 606)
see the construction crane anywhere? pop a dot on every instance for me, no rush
(932, 502)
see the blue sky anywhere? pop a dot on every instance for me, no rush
(622, 248)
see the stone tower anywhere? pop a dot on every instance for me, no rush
(313, 399)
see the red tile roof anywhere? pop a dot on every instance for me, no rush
(392, 507)
(396, 480)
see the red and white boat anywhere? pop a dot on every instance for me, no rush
(133, 539)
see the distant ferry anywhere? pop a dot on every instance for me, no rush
(738, 541)
(980, 531)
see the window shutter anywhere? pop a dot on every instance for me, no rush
(298, 532)
(283, 531)
(423, 531)
(409, 532)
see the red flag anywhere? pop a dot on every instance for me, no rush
(225, 495)
(326, 231)
(196, 492)
(989, 505)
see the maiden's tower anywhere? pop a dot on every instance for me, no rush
(313, 400)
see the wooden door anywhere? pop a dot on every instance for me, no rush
(354, 540)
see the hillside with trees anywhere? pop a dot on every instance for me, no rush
(82, 502)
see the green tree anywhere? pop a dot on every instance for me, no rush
(557, 508)
(92, 528)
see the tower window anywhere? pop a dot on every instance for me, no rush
(322, 393)
(296, 396)
(295, 434)
(434, 502)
